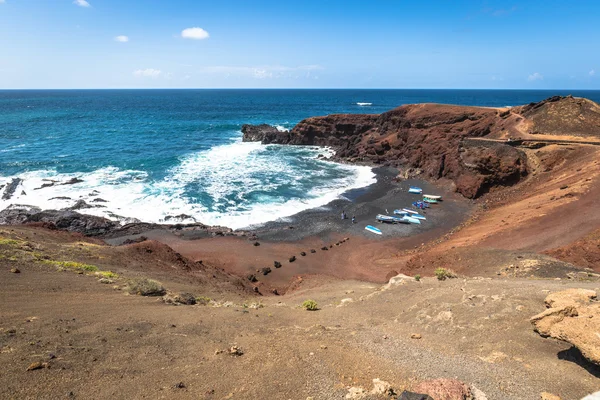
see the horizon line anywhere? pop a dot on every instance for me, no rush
(295, 88)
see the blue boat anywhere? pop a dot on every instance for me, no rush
(373, 229)
(415, 190)
(420, 204)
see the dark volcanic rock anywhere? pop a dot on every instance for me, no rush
(263, 133)
(72, 181)
(79, 204)
(406, 395)
(17, 214)
(292, 258)
(266, 271)
(72, 221)
(252, 278)
(276, 264)
(11, 188)
(179, 217)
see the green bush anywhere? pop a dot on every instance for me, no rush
(417, 278)
(73, 265)
(310, 305)
(442, 274)
(146, 287)
(203, 300)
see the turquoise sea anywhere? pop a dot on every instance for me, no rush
(155, 153)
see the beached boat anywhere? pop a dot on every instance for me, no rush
(420, 204)
(415, 190)
(429, 200)
(410, 213)
(373, 229)
(384, 218)
(432, 197)
(412, 220)
(400, 212)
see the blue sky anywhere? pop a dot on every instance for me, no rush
(303, 44)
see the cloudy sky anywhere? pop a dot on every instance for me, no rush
(308, 44)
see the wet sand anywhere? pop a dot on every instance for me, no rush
(351, 251)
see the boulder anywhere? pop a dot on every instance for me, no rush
(444, 389)
(266, 271)
(276, 264)
(573, 317)
(292, 259)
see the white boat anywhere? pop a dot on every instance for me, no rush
(373, 229)
(412, 220)
(432, 197)
(408, 210)
(364, 104)
(415, 190)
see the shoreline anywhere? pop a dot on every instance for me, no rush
(342, 250)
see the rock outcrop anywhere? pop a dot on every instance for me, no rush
(445, 389)
(559, 115)
(573, 316)
(427, 139)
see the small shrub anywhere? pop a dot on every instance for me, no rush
(62, 265)
(203, 300)
(310, 305)
(442, 274)
(417, 278)
(146, 287)
(9, 242)
(107, 274)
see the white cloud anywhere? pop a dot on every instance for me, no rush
(81, 3)
(194, 33)
(592, 72)
(147, 73)
(536, 76)
(122, 38)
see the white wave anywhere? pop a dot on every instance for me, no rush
(282, 128)
(239, 181)
(364, 104)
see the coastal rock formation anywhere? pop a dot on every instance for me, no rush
(573, 316)
(425, 138)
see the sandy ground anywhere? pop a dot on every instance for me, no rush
(100, 342)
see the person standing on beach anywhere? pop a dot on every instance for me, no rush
(354, 219)
(343, 214)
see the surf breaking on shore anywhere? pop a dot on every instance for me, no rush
(235, 185)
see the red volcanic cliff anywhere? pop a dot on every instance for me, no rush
(423, 138)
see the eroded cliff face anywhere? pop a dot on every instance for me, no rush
(425, 139)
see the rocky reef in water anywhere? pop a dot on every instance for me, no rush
(430, 140)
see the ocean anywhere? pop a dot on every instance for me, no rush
(156, 154)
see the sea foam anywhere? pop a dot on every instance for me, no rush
(235, 185)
